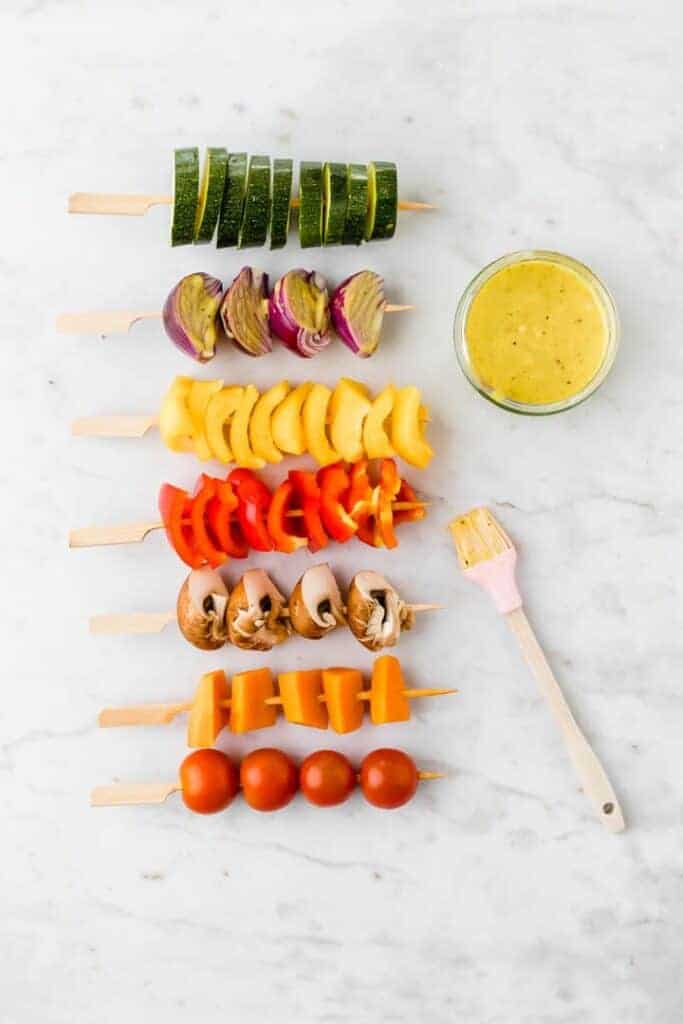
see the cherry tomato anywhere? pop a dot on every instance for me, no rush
(388, 778)
(269, 779)
(209, 781)
(327, 778)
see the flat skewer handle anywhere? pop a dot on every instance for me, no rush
(133, 622)
(113, 426)
(97, 536)
(132, 793)
(103, 322)
(131, 204)
(142, 714)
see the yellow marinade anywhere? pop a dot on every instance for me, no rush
(536, 332)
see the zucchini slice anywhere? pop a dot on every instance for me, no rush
(185, 191)
(211, 190)
(310, 203)
(233, 201)
(357, 204)
(334, 191)
(382, 214)
(281, 202)
(256, 213)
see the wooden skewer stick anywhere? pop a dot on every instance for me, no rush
(113, 322)
(126, 623)
(133, 533)
(131, 426)
(135, 204)
(163, 714)
(123, 793)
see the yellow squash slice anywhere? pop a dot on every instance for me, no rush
(375, 438)
(406, 428)
(260, 433)
(314, 418)
(218, 419)
(286, 426)
(239, 431)
(349, 406)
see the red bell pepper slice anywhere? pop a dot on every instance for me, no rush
(222, 526)
(407, 515)
(253, 499)
(361, 502)
(389, 486)
(204, 493)
(278, 523)
(335, 483)
(175, 506)
(308, 494)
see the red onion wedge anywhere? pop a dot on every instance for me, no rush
(190, 315)
(244, 312)
(299, 312)
(358, 310)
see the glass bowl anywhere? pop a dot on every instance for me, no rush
(611, 322)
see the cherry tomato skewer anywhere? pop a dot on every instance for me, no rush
(209, 780)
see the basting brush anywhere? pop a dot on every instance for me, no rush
(487, 556)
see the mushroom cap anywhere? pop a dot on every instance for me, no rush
(201, 609)
(316, 606)
(376, 613)
(255, 616)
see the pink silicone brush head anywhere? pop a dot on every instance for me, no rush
(487, 556)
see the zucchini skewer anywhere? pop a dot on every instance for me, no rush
(340, 203)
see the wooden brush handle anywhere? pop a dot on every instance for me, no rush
(594, 781)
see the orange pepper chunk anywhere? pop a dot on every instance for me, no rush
(301, 692)
(341, 687)
(248, 709)
(208, 715)
(387, 702)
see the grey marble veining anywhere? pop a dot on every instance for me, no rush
(494, 898)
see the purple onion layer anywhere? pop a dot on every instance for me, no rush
(299, 312)
(190, 315)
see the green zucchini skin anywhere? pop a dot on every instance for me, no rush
(211, 188)
(256, 213)
(336, 199)
(185, 194)
(232, 205)
(357, 204)
(382, 200)
(310, 203)
(281, 202)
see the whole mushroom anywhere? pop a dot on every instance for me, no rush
(256, 615)
(201, 608)
(375, 611)
(316, 606)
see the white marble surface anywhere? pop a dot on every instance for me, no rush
(494, 897)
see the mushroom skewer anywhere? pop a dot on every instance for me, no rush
(315, 608)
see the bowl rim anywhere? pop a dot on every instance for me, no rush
(611, 318)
